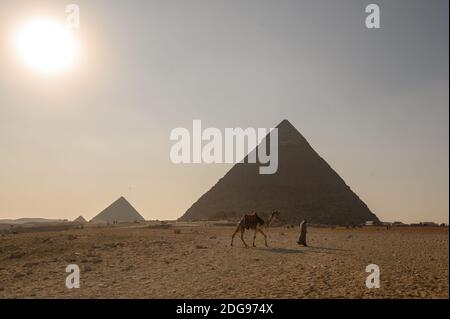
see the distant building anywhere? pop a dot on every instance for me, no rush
(398, 224)
(429, 224)
(369, 223)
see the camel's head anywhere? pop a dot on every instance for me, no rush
(275, 214)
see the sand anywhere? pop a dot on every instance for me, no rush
(195, 260)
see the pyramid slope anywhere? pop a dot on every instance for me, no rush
(304, 186)
(80, 219)
(119, 211)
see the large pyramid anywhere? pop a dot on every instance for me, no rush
(304, 186)
(120, 211)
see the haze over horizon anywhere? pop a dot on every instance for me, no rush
(372, 103)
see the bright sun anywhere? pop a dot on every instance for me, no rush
(46, 45)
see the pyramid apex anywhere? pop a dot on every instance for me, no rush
(80, 219)
(286, 126)
(284, 123)
(288, 133)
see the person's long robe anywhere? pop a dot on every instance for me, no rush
(302, 238)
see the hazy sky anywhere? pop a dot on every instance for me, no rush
(373, 103)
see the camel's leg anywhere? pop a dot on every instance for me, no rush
(234, 234)
(265, 236)
(254, 237)
(242, 237)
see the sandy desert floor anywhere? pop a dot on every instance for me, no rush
(196, 261)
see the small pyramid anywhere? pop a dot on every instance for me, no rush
(120, 211)
(80, 220)
(304, 187)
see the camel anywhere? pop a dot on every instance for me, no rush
(255, 222)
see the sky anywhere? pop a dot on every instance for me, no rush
(374, 103)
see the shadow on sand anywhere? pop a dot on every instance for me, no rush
(282, 250)
(309, 249)
(327, 248)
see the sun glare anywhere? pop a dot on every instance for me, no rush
(46, 45)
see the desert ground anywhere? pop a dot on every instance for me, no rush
(195, 260)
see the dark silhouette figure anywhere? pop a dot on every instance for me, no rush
(302, 238)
